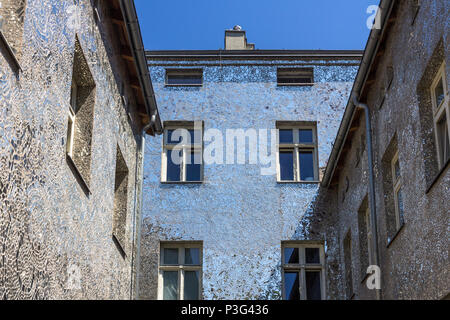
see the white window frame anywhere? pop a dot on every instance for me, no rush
(181, 268)
(72, 117)
(302, 267)
(397, 187)
(440, 111)
(298, 147)
(187, 149)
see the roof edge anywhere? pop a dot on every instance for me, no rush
(137, 47)
(366, 64)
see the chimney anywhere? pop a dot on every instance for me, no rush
(235, 39)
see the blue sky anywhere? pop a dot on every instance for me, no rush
(270, 24)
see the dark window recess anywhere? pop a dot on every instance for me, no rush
(287, 165)
(313, 291)
(173, 170)
(184, 77)
(312, 255)
(295, 76)
(291, 256)
(291, 286)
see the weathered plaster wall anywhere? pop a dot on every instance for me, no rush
(50, 231)
(416, 264)
(240, 215)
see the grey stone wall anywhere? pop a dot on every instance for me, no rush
(415, 263)
(240, 215)
(56, 241)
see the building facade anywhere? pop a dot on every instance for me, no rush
(71, 115)
(228, 212)
(404, 81)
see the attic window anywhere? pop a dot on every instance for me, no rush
(295, 76)
(184, 77)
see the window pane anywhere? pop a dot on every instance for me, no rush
(170, 281)
(170, 139)
(313, 285)
(291, 286)
(306, 166)
(306, 136)
(286, 136)
(439, 93)
(170, 256)
(312, 255)
(184, 79)
(287, 165)
(192, 256)
(397, 170)
(193, 167)
(291, 255)
(173, 170)
(191, 285)
(400, 206)
(444, 144)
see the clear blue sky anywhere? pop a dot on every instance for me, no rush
(270, 24)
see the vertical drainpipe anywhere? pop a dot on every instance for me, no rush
(373, 215)
(139, 176)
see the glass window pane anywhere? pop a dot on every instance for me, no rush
(400, 206)
(444, 144)
(287, 165)
(291, 286)
(173, 170)
(397, 170)
(312, 255)
(170, 140)
(306, 166)
(312, 279)
(291, 255)
(286, 136)
(192, 256)
(170, 282)
(439, 93)
(170, 256)
(306, 136)
(193, 167)
(184, 79)
(191, 285)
